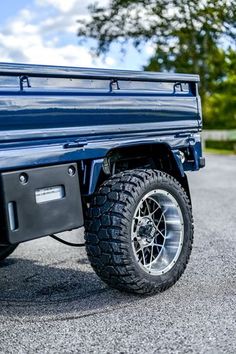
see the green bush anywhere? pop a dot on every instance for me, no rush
(220, 145)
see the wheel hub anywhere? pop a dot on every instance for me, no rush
(146, 229)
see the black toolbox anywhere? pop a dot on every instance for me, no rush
(39, 201)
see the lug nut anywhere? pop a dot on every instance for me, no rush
(23, 178)
(71, 170)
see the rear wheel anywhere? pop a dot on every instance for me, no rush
(139, 231)
(5, 251)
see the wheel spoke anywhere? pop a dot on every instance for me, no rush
(144, 260)
(154, 203)
(150, 264)
(138, 215)
(153, 212)
(159, 231)
(157, 244)
(160, 219)
(138, 250)
(148, 208)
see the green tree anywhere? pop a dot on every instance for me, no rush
(220, 106)
(188, 36)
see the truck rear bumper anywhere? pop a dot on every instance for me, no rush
(202, 162)
(39, 201)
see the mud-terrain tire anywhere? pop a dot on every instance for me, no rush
(139, 231)
(5, 251)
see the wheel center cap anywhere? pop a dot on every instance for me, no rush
(146, 229)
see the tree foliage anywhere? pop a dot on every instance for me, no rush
(220, 106)
(187, 36)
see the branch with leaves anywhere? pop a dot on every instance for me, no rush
(187, 36)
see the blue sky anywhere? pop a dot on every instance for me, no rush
(10, 7)
(44, 32)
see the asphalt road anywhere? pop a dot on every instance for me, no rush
(52, 302)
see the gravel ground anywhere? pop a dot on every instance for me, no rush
(52, 302)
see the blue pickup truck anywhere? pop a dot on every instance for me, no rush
(107, 150)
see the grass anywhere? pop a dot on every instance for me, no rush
(221, 147)
(219, 151)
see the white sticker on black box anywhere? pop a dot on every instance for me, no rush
(48, 194)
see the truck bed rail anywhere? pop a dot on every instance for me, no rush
(8, 69)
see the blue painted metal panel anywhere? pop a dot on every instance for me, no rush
(82, 114)
(36, 124)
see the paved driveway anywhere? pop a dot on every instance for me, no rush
(52, 302)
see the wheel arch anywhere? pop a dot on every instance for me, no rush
(158, 156)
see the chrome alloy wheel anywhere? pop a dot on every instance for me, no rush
(157, 232)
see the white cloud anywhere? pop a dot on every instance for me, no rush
(61, 5)
(34, 37)
(45, 33)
